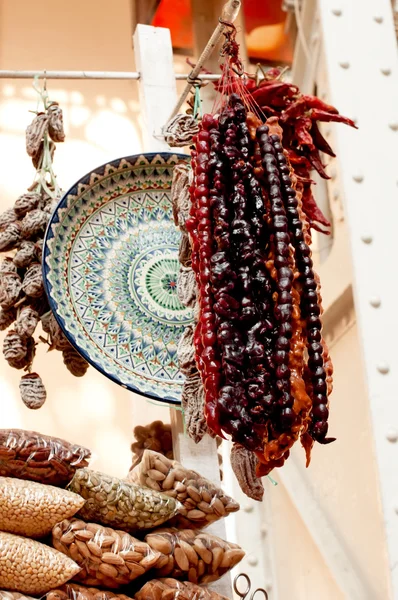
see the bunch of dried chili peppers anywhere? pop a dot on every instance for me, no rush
(264, 366)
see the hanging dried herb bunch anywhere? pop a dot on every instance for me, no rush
(23, 303)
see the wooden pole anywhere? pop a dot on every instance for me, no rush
(154, 60)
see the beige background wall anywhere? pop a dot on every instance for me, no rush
(102, 123)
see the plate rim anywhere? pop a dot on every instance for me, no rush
(45, 268)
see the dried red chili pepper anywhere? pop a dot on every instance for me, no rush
(315, 102)
(322, 115)
(319, 140)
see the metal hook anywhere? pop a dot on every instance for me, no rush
(244, 594)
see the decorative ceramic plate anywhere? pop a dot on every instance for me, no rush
(110, 270)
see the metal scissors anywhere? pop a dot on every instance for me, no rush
(243, 594)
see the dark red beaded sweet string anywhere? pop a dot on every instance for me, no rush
(284, 305)
(309, 303)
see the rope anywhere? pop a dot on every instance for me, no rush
(229, 14)
(45, 167)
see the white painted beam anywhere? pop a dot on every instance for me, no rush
(361, 57)
(157, 86)
(341, 564)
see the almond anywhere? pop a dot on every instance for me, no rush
(231, 558)
(94, 549)
(83, 549)
(108, 570)
(112, 559)
(156, 475)
(159, 543)
(218, 507)
(196, 515)
(190, 552)
(149, 561)
(203, 552)
(168, 483)
(83, 535)
(218, 555)
(131, 556)
(194, 494)
(161, 466)
(135, 570)
(201, 568)
(181, 559)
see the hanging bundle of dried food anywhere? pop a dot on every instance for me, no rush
(23, 302)
(265, 371)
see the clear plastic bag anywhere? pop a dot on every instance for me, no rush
(121, 504)
(31, 455)
(32, 509)
(203, 502)
(74, 591)
(13, 596)
(108, 558)
(171, 589)
(32, 568)
(196, 556)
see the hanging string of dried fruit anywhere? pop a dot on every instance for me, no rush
(265, 372)
(23, 303)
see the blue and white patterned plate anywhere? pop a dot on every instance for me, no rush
(110, 269)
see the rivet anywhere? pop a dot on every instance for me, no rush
(263, 530)
(336, 194)
(393, 126)
(392, 435)
(367, 238)
(386, 71)
(378, 19)
(337, 12)
(253, 561)
(375, 302)
(358, 178)
(383, 368)
(248, 508)
(344, 65)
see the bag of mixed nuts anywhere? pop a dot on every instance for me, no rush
(42, 458)
(171, 589)
(121, 504)
(203, 502)
(108, 558)
(32, 509)
(196, 556)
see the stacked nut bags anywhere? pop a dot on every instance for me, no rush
(187, 551)
(34, 469)
(101, 541)
(87, 531)
(23, 303)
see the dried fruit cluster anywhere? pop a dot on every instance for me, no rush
(265, 371)
(156, 436)
(23, 302)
